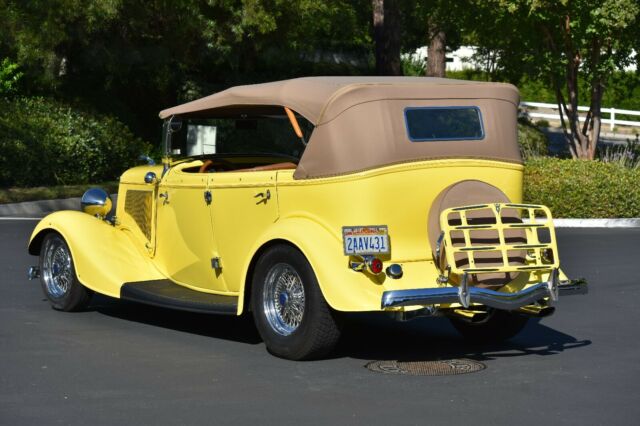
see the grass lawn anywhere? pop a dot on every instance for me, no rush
(17, 195)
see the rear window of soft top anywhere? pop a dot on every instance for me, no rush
(449, 123)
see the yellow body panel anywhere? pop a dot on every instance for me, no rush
(187, 233)
(184, 242)
(245, 205)
(105, 256)
(311, 214)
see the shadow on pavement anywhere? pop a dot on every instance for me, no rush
(430, 339)
(365, 336)
(236, 329)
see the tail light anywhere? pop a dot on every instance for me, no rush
(375, 265)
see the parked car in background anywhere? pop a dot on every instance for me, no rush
(303, 199)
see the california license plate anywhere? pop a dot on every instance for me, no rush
(364, 240)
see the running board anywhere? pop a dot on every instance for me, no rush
(167, 294)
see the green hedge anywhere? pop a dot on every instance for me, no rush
(583, 189)
(44, 142)
(532, 142)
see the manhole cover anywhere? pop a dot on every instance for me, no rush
(444, 367)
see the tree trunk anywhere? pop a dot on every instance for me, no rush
(581, 140)
(386, 36)
(436, 52)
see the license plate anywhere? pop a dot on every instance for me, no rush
(363, 240)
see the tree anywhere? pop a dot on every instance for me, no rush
(436, 50)
(131, 57)
(10, 76)
(438, 24)
(571, 42)
(386, 36)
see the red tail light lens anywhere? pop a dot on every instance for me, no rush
(375, 265)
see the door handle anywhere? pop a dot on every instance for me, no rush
(164, 195)
(264, 196)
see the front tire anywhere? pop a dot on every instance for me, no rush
(58, 276)
(288, 307)
(496, 327)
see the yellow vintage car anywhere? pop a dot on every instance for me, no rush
(304, 199)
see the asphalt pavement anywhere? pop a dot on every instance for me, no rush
(123, 363)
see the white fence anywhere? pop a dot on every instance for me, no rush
(556, 116)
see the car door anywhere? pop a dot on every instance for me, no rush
(244, 205)
(185, 245)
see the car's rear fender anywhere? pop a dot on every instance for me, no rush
(105, 256)
(343, 288)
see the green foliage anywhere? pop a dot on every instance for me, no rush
(582, 189)
(413, 67)
(48, 143)
(133, 58)
(46, 36)
(533, 143)
(9, 77)
(621, 90)
(18, 195)
(539, 37)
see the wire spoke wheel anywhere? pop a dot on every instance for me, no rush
(58, 275)
(289, 309)
(283, 299)
(57, 270)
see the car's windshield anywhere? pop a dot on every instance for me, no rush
(241, 135)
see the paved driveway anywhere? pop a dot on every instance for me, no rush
(121, 363)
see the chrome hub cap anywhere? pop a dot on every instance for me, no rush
(56, 267)
(283, 299)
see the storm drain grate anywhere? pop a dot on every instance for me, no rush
(444, 367)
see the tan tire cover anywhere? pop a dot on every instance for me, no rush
(465, 193)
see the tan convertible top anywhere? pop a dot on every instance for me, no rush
(360, 120)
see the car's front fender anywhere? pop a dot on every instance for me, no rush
(105, 256)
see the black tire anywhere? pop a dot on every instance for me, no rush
(498, 326)
(58, 276)
(287, 333)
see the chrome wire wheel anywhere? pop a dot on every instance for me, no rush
(283, 299)
(57, 269)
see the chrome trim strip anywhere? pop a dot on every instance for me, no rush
(494, 299)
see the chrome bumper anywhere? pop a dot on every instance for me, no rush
(494, 299)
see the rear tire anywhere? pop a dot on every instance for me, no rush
(289, 310)
(498, 326)
(58, 276)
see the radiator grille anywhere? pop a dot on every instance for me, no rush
(139, 205)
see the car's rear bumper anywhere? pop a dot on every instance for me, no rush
(494, 299)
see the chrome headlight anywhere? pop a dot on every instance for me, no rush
(96, 202)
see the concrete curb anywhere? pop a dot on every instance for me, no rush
(39, 209)
(597, 223)
(30, 210)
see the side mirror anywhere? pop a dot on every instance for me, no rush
(96, 202)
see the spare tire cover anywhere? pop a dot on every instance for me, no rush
(465, 193)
